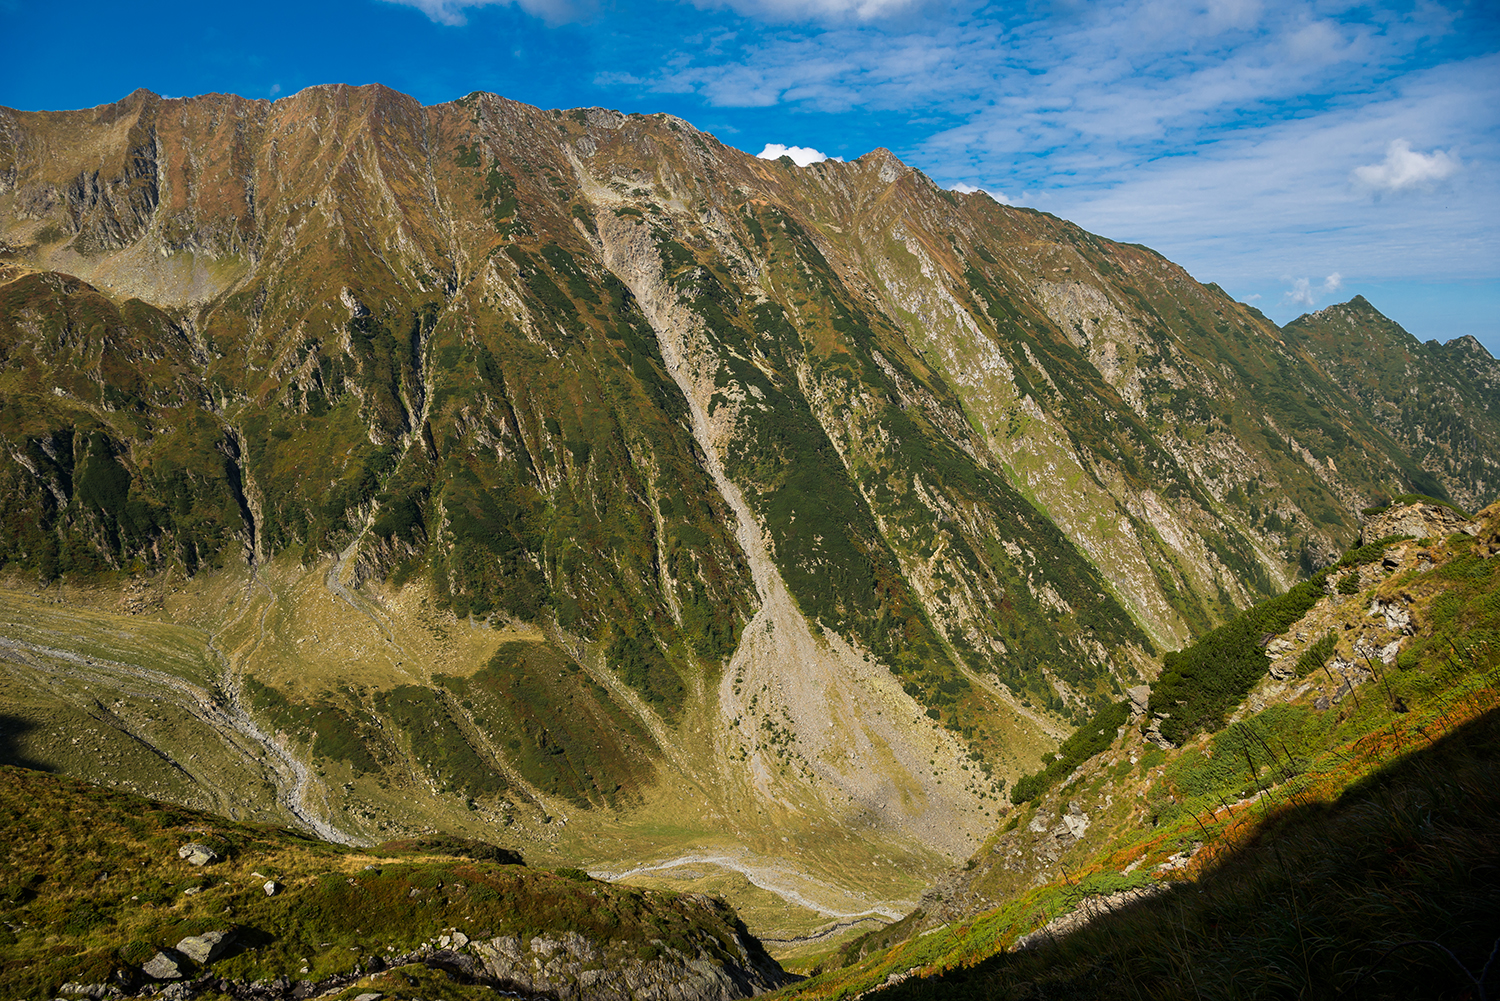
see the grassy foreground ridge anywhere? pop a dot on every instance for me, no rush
(1336, 834)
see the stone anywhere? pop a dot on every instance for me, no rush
(205, 948)
(196, 854)
(369, 996)
(165, 965)
(1140, 697)
(271, 887)
(1076, 821)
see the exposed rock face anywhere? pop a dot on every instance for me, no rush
(167, 964)
(1419, 520)
(205, 948)
(196, 854)
(572, 967)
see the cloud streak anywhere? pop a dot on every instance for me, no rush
(1222, 133)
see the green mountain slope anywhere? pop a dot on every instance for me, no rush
(1438, 400)
(1324, 838)
(481, 466)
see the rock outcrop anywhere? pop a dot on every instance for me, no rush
(1419, 520)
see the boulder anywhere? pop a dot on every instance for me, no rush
(271, 887)
(197, 854)
(205, 948)
(165, 965)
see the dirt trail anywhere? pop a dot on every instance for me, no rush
(778, 877)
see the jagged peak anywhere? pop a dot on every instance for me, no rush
(1470, 343)
(890, 166)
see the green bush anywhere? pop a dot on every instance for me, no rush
(1198, 686)
(1088, 740)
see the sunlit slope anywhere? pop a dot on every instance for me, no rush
(1306, 841)
(517, 464)
(1438, 400)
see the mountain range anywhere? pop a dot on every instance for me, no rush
(381, 469)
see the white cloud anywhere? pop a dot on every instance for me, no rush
(969, 189)
(1404, 168)
(812, 10)
(801, 155)
(1304, 294)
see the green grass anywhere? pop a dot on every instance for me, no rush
(90, 883)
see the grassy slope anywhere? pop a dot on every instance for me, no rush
(91, 883)
(1319, 839)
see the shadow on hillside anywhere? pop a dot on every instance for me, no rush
(1391, 891)
(12, 729)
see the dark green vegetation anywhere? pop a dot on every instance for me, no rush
(564, 732)
(1202, 683)
(1199, 685)
(1088, 740)
(91, 885)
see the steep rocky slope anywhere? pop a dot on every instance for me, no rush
(497, 465)
(1436, 400)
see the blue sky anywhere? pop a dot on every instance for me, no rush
(1297, 152)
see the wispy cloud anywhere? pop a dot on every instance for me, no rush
(811, 10)
(453, 12)
(968, 189)
(801, 155)
(1222, 132)
(1404, 169)
(1303, 293)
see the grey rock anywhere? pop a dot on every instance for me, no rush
(1419, 520)
(165, 965)
(197, 854)
(205, 948)
(271, 887)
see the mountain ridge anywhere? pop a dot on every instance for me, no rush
(833, 496)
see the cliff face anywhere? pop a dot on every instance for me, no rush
(826, 486)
